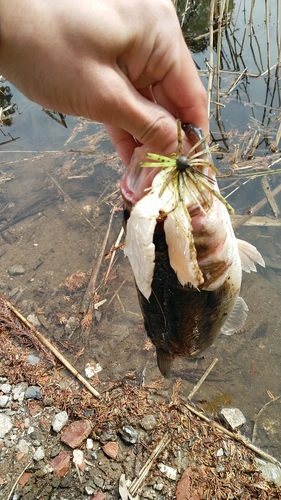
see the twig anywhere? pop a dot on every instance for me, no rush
(200, 382)
(270, 198)
(70, 200)
(238, 80)
(17, 480)
(116, 293)
(267, 37)
(233, 435)
(54, 350)
(84, 308)
(240, 222)
(218, 62)
(254, 435)
(144, 471)
(274, 145)
(210, 62)
(121, 304)
(260, 220)
(116, 244)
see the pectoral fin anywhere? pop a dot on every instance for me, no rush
(249, 255)
(237, 318)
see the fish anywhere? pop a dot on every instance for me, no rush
(187, 262)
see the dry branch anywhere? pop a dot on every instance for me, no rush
(53, 349)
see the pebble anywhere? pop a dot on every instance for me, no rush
(111, 449)
(33, 319)
(148, 422)
(4, 400)
(169, 472)
(39, 454)
(23, 446)
(19, 390)
(75, 433)
(89, 444)
(6, 388)
(270, 472)
(33, 392)
(60, 464)
(129, 435)
(16, 270)
(32, 359)
(59, 421)
(233, 417)
(71, 325)
(5, 424)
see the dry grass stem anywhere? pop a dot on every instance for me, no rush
(267, 38)
(261, 221)
(136, 484)
(115, 246)
(53, 349)
(255, 428)
(270, 198)
(200, 382)
(211, 61)
(234, 435)
(218, 61)
(17, 480)
(239, 222)
(238, 80)
(89, 294)
(70, 201)
(274, 145)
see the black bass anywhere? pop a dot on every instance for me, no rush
(186, 260)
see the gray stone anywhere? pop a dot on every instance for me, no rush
(71, 325)
(32, 318)
(6, 388)
(148, 422)
(233, 417)
(16, 270)
(23, 446)
(270, 472)
(4, 400)
(19, 390)
(129, 435)
(5, 424)
(39, 454)
(32, 359)
(59, 421)
(33, 392)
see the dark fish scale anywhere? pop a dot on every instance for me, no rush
(181, 321)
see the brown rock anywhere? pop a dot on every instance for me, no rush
(75, 433)
(192, 484)
(24, 478)
(60, 464)
(44, 424)
(111, 449)
(98, 496)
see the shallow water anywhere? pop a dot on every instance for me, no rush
(52, 240)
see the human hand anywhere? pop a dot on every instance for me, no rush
(121, 63)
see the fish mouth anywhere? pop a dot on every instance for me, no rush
(136, 183)
(137, 180)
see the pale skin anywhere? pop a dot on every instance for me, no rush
(123, 63)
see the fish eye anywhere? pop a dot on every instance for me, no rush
(182, 163)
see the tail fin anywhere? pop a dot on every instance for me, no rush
(164, 364)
